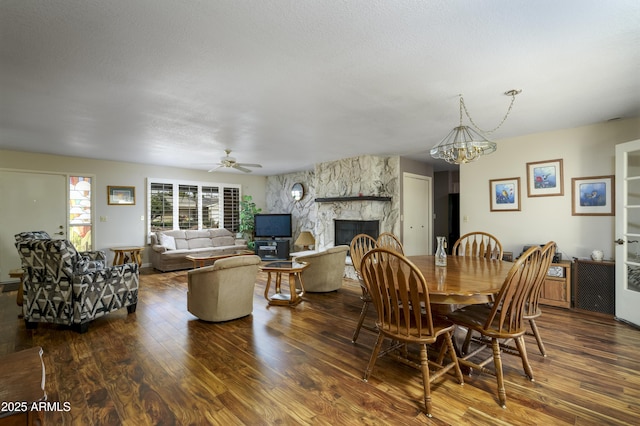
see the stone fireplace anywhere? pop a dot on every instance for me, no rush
(364, 188)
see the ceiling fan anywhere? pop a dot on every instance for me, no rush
(231, 163)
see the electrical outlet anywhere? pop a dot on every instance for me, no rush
(103, 218)
(465, 218)
(142, 217)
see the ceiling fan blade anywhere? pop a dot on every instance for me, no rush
(215, 168)
(249, 165)
(242, 169)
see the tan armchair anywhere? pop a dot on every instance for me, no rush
(224, 290)
(325, 271)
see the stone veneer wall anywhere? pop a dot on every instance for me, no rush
(366, 175)
(304, 212)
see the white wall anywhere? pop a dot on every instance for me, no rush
(123, 226)
(585, 151)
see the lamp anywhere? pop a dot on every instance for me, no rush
(463, 144)
(305, 239)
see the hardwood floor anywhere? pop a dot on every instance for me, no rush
(298, 366)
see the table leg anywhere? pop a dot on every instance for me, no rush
(302, 291)
(278, 282)
(292, 289)
(18, 273)
(20, 296)
(266, 288)
(138, 257)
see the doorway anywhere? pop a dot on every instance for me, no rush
(417, 212)
(31, 202)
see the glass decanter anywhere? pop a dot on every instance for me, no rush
(441, 254)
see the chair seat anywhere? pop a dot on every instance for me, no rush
(440, 327)
(536, 314)
(475, 317)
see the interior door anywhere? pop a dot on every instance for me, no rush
(30, 202)
(628, 232)
(417, 214)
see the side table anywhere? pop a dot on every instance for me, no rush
(294, 270)
(18, 273)
(22, 376)
(124, 254)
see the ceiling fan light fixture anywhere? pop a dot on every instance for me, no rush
(229, 162)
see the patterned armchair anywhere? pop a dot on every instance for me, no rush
(96, 256)
(63, 286)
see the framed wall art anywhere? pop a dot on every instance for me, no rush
(593, 196)
(121, 195)
(544, 178)
(505, 194)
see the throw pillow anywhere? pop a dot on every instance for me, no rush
(168, 241)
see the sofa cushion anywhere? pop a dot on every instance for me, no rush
(196, 233)
(223, 241)
(213, 233)
(167, 241)
(195, 243)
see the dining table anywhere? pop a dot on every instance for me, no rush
(465, 280)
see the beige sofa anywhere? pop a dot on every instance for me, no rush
(325, 271)
(169, 249)
(223, 291)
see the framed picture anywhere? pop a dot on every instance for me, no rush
(121, 195)
(593, 196)
(544, 178)
(505, 194)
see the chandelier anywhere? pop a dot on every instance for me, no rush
(464, 144)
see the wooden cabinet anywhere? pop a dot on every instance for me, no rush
(556, 289)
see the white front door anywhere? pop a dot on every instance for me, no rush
(30, 202)
(628, 232)
(417, 211)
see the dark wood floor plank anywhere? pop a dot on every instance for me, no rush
(297, 365)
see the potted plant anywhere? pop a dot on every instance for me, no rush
(248, 210)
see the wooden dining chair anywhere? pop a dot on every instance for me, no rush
(531, 307)
(390, 241)
(400, 295)
(501, 321)
(478, 244)
(360, 245)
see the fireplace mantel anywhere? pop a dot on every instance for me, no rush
(355, 198)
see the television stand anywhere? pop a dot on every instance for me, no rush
(272, 249)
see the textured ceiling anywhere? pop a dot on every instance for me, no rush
(291, 83)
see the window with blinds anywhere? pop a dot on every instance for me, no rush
(188, 211)
(211, 207)
(161, 206)
(231, 212)
(196, 205)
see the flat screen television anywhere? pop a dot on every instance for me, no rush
(274, 225)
